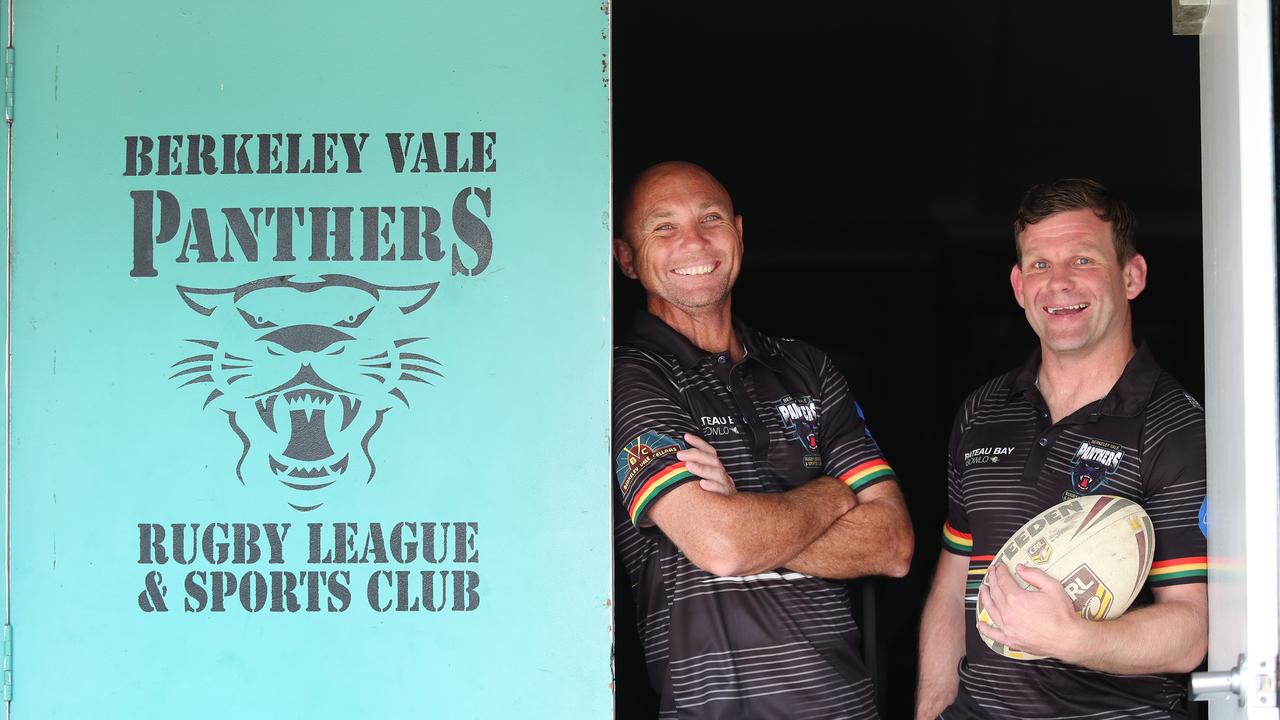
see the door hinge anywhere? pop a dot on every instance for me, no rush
(1251, 682)
(8, 84)
(8, 662)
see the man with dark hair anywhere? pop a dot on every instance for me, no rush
(748, 484)
(1051, 198)
(1088, 386)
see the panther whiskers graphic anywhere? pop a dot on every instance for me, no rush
(303, 391)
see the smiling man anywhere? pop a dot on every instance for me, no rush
(748, 484)
(1087, 398)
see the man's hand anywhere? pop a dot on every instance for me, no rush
(726, 532)
(1040, 621)
(872, 538)
(701, 460)
(942, 637)
(1169, 636)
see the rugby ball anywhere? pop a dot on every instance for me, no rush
(1100, 548)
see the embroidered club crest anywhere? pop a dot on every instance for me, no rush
(1094, 462)
(641, 453)
(800, 417)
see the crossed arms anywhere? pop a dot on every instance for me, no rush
(820, 528)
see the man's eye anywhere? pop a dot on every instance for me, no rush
(713, 217)
(1084, 261)
(1039, 265)
(664, 227)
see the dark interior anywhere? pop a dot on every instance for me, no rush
(877, 152)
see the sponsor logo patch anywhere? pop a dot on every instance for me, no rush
(800, 416)
(641, 453)
(1094, 462)
(1089, 596)
(719, 425)
(984, 455)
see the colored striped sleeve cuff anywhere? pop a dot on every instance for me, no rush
(956, 541)
(863, 475)
(667, 477)
(978, 565)
(1176, 570)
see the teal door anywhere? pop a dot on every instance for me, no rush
(310, 354)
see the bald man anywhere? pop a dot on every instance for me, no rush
(749, 486)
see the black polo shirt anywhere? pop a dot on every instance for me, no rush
(779, 644)
(1145, 442)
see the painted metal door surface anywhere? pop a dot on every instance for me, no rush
(1240, 340)
(310, 360)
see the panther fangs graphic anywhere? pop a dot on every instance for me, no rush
(305, 372)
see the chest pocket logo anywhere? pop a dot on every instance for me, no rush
(799, 416)
(1094, 462)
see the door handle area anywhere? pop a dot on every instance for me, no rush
(1218, 685)
(1252, 684)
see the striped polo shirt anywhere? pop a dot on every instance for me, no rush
(775, 645)
(1009, 462)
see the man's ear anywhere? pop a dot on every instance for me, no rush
(1135, 276)
(626, 258)
(1015, 279)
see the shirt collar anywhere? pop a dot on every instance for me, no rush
(758, 346)
(1127, 398)
(651, 332)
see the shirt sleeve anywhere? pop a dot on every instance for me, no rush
(849, 453)
(1174, 478)
(956, 534)
(649, 423)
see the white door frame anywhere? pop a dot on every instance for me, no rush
(1240, 350)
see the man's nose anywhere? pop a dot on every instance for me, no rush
(695, 234)
(1060, 277)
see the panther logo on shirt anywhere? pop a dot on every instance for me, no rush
(800, 416)
(1094, 462)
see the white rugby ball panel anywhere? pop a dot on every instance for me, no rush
(1100, 548)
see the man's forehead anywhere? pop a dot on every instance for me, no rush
(665, 192)
(670, 203)
(1081, 226)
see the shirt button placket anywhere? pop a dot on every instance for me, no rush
(1040, 451)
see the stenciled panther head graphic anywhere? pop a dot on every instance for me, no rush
(305, 372)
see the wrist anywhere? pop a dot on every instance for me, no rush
(1082, 641)
(844, 495)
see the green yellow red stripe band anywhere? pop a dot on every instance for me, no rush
(976, 574)
(861, 475)
(654, 486)
(1179, 568)
(956, 541)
